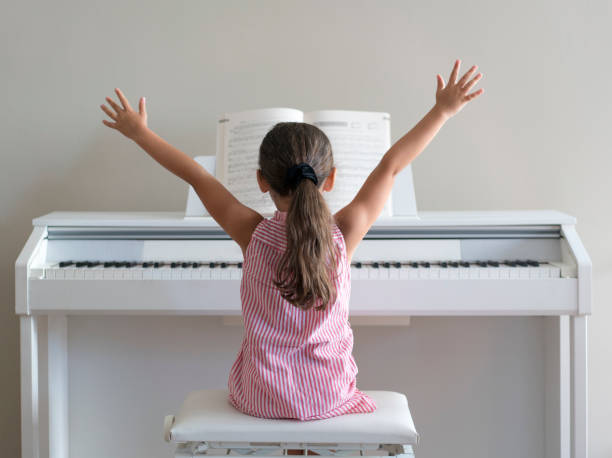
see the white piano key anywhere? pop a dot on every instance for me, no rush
(464, 273)
(185, 272)
(513, 273)
(215, 273)
(483, 272)
(225, 273)
(534, 273)
(429, 273)
(136, 273)
(404, 272)
(107, 273)
(204, 272)
(52, 273)
(176, 273)
(453, 273)
(88, 273)
(523, 272)
(76, 273)
(555, 272)
(493, 272)
(414, 273)
(384, 273)
(98, 272)
(372, 273)
(394, 273)
(504, 273)
(147, 274)
(156, 273)
(235, 273)
(474, 272)
(443, 273)
(166, 272)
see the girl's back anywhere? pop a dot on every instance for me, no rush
(293, 363)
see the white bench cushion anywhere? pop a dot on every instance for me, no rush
(207, 415)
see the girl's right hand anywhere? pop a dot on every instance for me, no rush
(127, 121)
(451, 98)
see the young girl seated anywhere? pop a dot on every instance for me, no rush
(296, 357)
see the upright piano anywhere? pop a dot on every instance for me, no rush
(477, 263)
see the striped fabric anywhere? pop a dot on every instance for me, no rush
(293, 363)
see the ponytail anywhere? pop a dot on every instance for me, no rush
(295, 159)
(306, 271)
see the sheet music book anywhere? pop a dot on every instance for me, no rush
(359, 139)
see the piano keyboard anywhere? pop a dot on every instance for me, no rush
(383, 270)
(470, 263)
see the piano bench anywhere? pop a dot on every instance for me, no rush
(207, 421)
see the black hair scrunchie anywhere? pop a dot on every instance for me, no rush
(296, 173)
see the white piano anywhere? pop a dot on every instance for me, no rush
(443, 263)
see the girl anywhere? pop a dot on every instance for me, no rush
(296, 356)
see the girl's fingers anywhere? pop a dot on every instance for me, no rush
(123, 100)
(473, 95)
(109, 124)
(453, 75)
(108, 112)
(141, 106)
(465, 77)
(112, 103)
(471, 83)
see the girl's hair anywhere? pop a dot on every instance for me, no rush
(306, 271)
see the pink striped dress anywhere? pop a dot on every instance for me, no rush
(292, 364)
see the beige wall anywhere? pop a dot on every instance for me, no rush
(538, 138)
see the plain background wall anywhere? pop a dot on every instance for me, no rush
(538, 137)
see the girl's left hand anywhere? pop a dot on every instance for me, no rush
(127, 121)
(450, 99)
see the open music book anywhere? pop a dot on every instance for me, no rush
(359, 139)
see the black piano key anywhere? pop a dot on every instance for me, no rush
(109, 264)
(533, 263)
(464, 264)
(157, 265)
(481, 263)
(93, 263)
(195, 265)
(240, 265)
(65, 263)
(453, 264)
(174, 265)
(130, 264)
(521, 263)
(81, 263)
(223, 265)
(375, 265)
(493, 263)
(443, 265)
(425, 264)
(414, 264)
(185, 265)
(386, 265)
(121, 264)
(358, 265)
(510, 263)
(146, 264)
(212, 265)
(398, 265)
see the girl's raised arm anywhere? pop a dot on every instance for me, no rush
(236, 219)
(357, 217)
